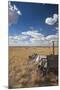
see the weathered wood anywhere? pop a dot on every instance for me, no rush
(52, 63)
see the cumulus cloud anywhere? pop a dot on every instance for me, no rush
(34, 34)
(52, 37)
(56, 28)
(13, 13)
(32, 38)
(51, 20)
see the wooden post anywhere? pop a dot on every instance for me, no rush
(53, 47)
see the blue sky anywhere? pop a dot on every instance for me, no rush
(32, 23)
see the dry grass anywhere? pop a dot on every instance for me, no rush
(22, 72)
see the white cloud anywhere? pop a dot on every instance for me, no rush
(56, 28)
(51, 20)
(13, 13)
(32, 38)
(52, 37)
(34, 34)
(31, 27)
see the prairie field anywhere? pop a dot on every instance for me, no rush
(23, 72)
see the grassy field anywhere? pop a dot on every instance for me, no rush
(24, 73)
